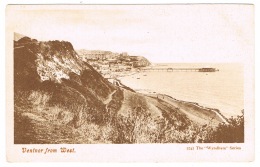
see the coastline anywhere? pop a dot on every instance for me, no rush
(194, 108)
(195, 104)
(218, 90)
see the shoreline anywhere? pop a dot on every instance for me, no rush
(216, 111)
(153, 94)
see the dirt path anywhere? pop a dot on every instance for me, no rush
(109, 97)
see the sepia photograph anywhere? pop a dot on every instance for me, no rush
(145, 75)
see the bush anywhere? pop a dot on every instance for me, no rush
(231, 132)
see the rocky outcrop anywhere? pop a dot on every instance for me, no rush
(140, 61)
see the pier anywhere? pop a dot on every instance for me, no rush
(180, 69)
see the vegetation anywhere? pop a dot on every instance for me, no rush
(233, 132)
(68, 113)
(38, 121)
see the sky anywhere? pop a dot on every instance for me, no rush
(161, 33)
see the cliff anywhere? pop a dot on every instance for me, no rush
(54, 88)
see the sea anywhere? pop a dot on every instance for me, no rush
(223, 89)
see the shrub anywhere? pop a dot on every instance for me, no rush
(231, 132)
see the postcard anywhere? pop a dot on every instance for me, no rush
(130, 83)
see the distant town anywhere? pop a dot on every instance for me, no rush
(112, 65)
